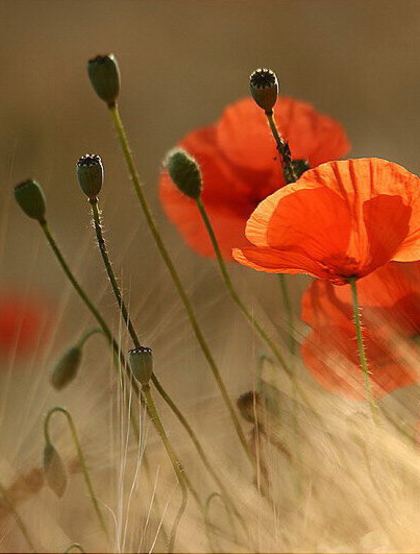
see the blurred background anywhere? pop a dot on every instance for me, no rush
(181, 64)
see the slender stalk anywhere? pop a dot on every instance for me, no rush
(283, 149)
(285, 297)
(75, 545)
(87, 335)
(81, 457)
(174, 274)
(18, 519)
(94, 311)
(153, 414)
(126, 317)
(361, 348)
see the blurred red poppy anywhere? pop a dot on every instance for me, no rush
(340, 220)
(23, 323)
(239, 164)
(390, 298)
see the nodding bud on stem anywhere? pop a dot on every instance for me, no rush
(90, 173)
(141, 362)
(249, 404)
(184, 172)
(67, 367)
(30, 197)
(55, 472)
(104, 75)
(264, 88)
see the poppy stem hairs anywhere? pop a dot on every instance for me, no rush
(361, 348)
(48, 445)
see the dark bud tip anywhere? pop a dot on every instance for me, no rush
(30, 197)
(55, 472)
(264, 88)
(141, 362)
(104, 75)
(184, 172)
(300, 166)
(90, 173)
(249, 405)
(66, 369)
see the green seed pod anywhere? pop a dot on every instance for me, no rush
(55, 472)
(264, 88)
(184, 172)
(90, 173)
(104, 75)
(30, 197)
(67, 367)
(141, 362)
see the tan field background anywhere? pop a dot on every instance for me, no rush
(181, 64)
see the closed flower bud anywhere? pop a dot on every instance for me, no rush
(249, 405)
(55, 472)
(67, 367)
(184, 172)
(30, 197)
(104, 75)
(90, 173)
(264, 88)
(141, 362)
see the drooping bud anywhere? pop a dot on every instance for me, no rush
(264, 88)
(249, 404)
(141, 362)
(184, 172)
(300, 166)
(90, 173)
(67, 367)
(55, 472)
(104, 75)
(30, 197)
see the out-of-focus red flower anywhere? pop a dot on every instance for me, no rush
(340, 220)
(240, 167)
(23, 323)
(390, 298)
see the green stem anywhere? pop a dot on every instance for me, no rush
(361, 348)
(80, 456)
(75, 545)
(87, 335)
(285, 297)
(94, 311)
(18, 519)
(174, 274)
(153, 414)
(126, 317)
(283, 149)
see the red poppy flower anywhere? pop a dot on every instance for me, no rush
(239, 164)
(340, 220)
(391, 314)
(23, 323)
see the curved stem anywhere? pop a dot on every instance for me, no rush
(174, 274)
(75, 545)
(87, 335)
(126, 317)
(361, 348)
(151, 409)
(80, 456)
(18, 519)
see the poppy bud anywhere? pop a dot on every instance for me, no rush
(67, 367)
(247, 404)
(30, 197)
(104, 75)
(55, 472)
(264, 88)
(300, 166)
(141, 362)
(184, 172)
(90, 173)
